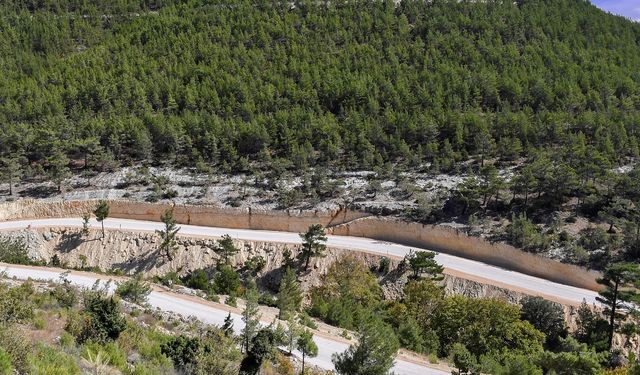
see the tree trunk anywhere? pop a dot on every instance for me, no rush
(102, 222)
(306, 263)
(303, 363)
(612, 317)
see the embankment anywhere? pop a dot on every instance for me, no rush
(287, 221)
(451, 241)
(340, 222)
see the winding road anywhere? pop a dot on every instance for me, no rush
(457, 266)
(213, 313)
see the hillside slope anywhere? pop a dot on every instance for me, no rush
(350, 83)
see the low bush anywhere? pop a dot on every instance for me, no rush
(14, 251)
(134, 290)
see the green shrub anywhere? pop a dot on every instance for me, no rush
(14, 251)
(110, 352)
(183, 351)
(102, 320)
(65, 294)
(384, 265)
(198, 279)
(169, 279)
(39, 323)
(267, 300)
(231, 301)
(17, 303)
(48, 360)
(6, 368)
(67, 341)
(306, 320)
(255, 264)
(526, 235)
(17, 347)
(134, 290)
(226, 280)
(55, 261)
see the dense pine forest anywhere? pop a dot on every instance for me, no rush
(350, 84)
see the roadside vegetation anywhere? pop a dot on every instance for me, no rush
(471, 334)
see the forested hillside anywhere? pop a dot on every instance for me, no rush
(351, 84)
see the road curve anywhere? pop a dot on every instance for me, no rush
(457, 266)
(211, 313)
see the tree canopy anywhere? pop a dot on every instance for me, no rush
(354, 83)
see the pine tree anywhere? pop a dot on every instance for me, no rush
(12, 170)
(227, 327)
(225, 248)
(85, 224)
(313, 243)
(58, 168)
(619, 290)
(423, 262)
(290, 295)
(101, 212)
(373, 354)
(292, 333)
(306, 346)
(169, 245)
(250, 315)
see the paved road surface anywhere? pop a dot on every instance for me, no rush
(474, 269)
(209, 313)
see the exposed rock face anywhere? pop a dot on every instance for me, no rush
(134, 252)
(138, 252)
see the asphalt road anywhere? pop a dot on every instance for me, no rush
(474, 269)
(210, 313)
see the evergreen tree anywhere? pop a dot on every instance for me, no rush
(292, 333)
(423, 262)
(58, 168)
(373, 354)
(545, 316)
(85, 224)
(290, 294)
(11, 170)
(306, 346)
(618, 281)
(227, 327)
(313, 243)
(169, 245)
(464, 361)
(226, 248)
(101, 212)
(250, 315)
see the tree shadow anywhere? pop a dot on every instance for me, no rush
(69, 241)
(39, 192)
(271, 279)
(144, 263)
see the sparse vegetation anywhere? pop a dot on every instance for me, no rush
(134, 290)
